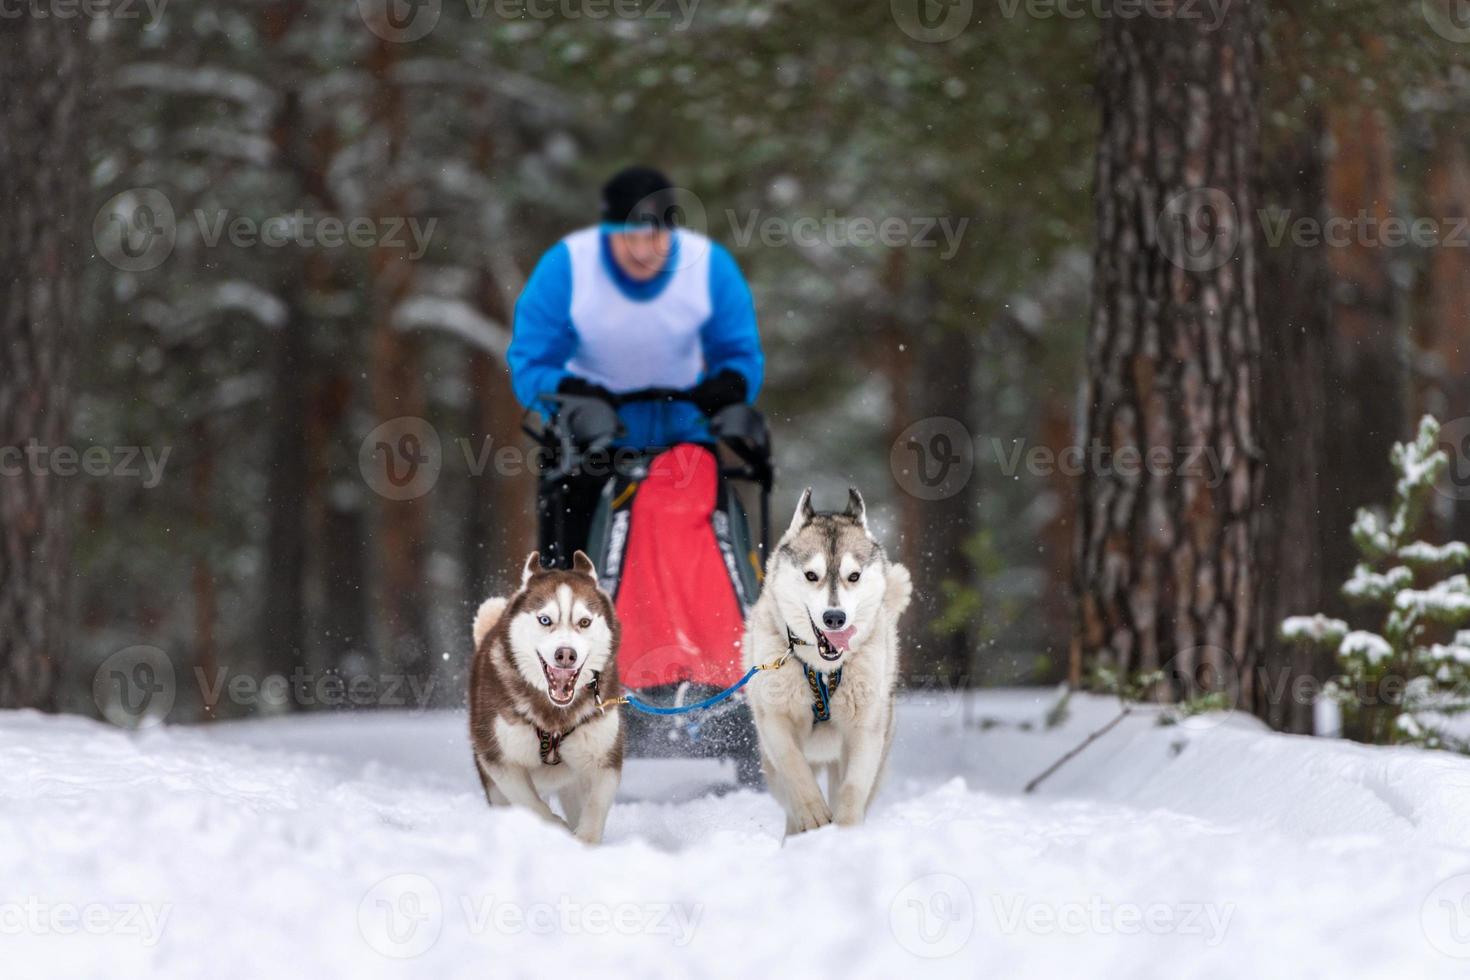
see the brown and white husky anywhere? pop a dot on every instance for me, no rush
(545, 659)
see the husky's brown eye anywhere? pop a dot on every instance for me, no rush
(811, 576)
(585, 622)
(854, 576)
(544, 620)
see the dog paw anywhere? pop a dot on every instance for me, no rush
(847, 816)
(588, 835)
(810, 814)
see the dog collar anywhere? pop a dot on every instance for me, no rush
(551, 745)
(551, 741)
(822, 686)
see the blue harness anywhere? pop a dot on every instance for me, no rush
(822, 687)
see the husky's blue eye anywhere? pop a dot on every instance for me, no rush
(811, 576)
(854, 576)
(544, 620)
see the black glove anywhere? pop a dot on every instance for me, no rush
(716, 392)
(573, 385)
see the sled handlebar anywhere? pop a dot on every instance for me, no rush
(654, 395)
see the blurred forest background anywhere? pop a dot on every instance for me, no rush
(261, 370)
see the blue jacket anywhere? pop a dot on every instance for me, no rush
(580, 314)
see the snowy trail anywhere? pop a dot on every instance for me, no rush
(359, 846)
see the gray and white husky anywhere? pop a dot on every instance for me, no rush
(831, 601)
(545, 659)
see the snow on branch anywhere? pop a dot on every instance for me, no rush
(256, 98)
(1422, 554)
(453, 316)
(1367, 585)
(1318, 629)
(1443, 602)
(1369, 646)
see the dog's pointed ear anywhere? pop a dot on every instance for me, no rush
(583, 565)
(804, 512)
(533, 565)
(855, 508)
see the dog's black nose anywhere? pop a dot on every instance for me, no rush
(565, 657)
(834, 619)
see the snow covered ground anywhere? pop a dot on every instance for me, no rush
(358, 845)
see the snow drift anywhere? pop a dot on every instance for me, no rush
(358, 845)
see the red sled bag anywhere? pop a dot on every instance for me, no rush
(673, 551)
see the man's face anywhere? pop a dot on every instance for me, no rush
(641, 254)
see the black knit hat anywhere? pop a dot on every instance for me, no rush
(639, 196)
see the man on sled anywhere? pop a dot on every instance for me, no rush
(636, 340)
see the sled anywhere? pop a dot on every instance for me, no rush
(674, 549)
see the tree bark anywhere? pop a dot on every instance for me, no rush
(1296, 338)
(944, 382)
(1369, 354)
(42, 192)
(1444, 332)
(397, 390)
(1167, 563)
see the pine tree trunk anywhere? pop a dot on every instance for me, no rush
(1296, 337)
(42, 193)
(1370, 377)
(1444, 335)
(1166, 557)
(945, 370)
(397, 372)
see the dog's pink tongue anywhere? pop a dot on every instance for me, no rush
(840, 638)
(562, 681)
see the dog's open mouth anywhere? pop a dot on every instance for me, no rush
(832, 644)
(561, 683)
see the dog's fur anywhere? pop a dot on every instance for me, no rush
(851, 747)
(512, 687)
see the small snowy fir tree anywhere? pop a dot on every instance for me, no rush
(1402, 682)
